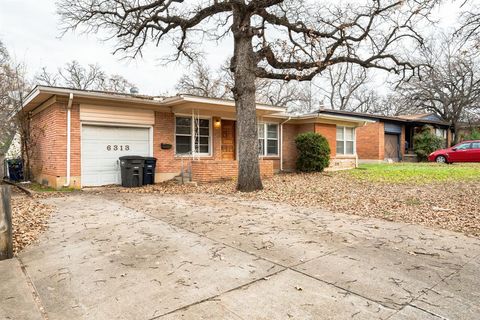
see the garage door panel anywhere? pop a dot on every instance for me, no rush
(101, 148)
(104, 133)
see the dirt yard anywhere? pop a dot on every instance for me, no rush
(451, 204)
(29, 219)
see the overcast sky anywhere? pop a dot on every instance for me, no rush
(29, 29)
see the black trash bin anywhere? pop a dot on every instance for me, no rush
(132, 171)
(149, 170)
(15, 169)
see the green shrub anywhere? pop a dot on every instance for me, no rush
(313, 152)
(474, 135)
(425, 142)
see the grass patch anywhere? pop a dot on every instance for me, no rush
(420, 173)
(41, 188)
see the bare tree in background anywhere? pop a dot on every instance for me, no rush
(450, 88)
(470, 23)
(202, 81)
(274, 39)
(13, 88)
(342, 85)
(74, 75)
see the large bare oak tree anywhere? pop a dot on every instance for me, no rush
(274, 39)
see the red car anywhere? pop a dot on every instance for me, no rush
(465, 151)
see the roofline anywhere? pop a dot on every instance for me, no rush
(332, 117)
(208, 100)
(380, 117)
(86, 94)
(169, 101)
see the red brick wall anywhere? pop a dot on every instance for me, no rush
(164, 132)
(370, 141)
(49, 130)
(329, 131)
(290, 132)
(215, 170)
(289, 149)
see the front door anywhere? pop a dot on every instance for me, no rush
(228, 140)
(391, 147)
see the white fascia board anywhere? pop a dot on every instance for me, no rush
(230, 103)
(86, 94)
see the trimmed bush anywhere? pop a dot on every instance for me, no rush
(425, 142)
(313, 152)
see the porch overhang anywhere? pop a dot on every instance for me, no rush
(187, 104)
(326, 118)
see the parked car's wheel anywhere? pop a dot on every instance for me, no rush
(441, 159)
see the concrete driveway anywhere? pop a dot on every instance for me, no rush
(151, 256)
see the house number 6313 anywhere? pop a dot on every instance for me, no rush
(118, 147)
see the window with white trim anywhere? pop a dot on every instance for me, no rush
(268, 139)
(189, 132)
(345, 140)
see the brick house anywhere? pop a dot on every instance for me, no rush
(79, 136)
(391, 138)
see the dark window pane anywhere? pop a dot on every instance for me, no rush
(340, 149)
(349, 147)
(183, 144)
(272, 147)
(204, 123)
(204, 131)
(183, 130)
(183, 121)
(339, 133)
(272, 131)
(203, 140)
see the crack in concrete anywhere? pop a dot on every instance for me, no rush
(442, 279)
(245, 285)
(34, 291)
(292, 267)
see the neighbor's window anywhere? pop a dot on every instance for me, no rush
(190, 133)
(345, 140)
(442, 133)
(268, 139)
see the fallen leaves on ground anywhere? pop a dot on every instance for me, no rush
(29, 219)
(452, 205)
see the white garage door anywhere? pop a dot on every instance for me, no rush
(103, 145)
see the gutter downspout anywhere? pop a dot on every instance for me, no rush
(281, 139)
(69, 118)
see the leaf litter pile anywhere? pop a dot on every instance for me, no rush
(29, 219)
(452, 205)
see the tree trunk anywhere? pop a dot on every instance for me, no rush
(455, 133)
(243, 67)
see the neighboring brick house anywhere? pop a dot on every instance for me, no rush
(391, 138)
(79, 136)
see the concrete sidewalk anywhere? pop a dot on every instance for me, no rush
(131, 256)
(16, 295)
